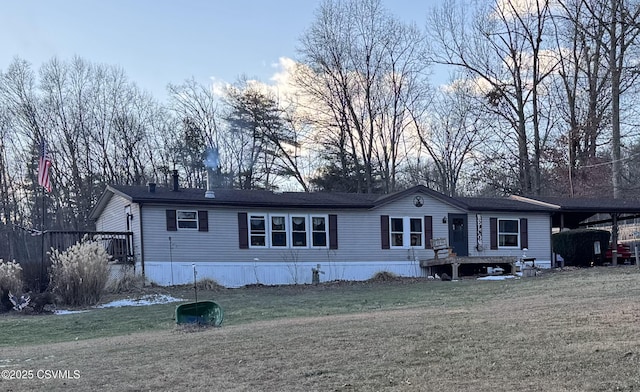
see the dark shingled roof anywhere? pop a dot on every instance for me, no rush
(254, 198)
(261, 198)
(591, 204)
(572, 210)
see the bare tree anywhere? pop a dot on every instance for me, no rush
(453, 134)
(501, 45)
(196, 107)
(362, 69)
(596, 40)
(623, 36)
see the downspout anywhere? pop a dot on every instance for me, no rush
(141, 243)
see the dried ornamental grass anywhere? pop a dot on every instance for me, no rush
(80, 273)
(10, 276)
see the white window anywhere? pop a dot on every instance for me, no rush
(187, 219)
(257, 230)
(406, 232)
(397, 232)
(319, 232)
(298, 231)
(288, 230)
(508, 233)
(415, 227)
(279, 230)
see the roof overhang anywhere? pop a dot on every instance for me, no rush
(572, 212)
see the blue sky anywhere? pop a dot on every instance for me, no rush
(161, 41)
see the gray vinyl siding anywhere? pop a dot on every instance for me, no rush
(359, 236)
(539, 229)
(113, 218)
(405, 208)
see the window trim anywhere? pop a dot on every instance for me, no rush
(195, 219)
(326, 231)
(392, 232)
(285, 231)
(306, 231)
(266, 234)
(406, 232)
(420, 233)
(517, 233)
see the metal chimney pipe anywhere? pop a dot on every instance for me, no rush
(176, 186)
(210, 194)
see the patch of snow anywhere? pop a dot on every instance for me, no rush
(152, 299)
(64, 311)
(500, 277)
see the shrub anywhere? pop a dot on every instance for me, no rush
(208, 284)
(10, 276)
(577, 246)
(125, 281)
(80, 273)
(35, 273)
(203, 284)
(383, 276)
(10, 280)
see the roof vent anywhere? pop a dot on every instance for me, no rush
(152, 187)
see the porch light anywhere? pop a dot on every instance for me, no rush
(444, 220)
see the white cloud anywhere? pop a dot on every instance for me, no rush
(510, 9)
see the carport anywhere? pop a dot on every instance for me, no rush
(574, 213)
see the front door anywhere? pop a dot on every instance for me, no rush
(458, 240)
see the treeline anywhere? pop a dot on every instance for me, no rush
(541, 100)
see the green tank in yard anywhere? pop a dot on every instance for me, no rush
(201, 312)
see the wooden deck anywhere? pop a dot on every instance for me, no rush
(456, 261)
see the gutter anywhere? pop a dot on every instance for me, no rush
(535, 202)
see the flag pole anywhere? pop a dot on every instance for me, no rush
(44, 163)
(42, 252)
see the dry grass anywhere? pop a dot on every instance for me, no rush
(569, 331)
(79, 274)
(10, 277)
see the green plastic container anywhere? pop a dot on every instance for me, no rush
(201, 312)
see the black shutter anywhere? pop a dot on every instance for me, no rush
(333, 231)
(243, 231)
(384, 231)
(493, 232)
(524, 233)
(203, 221)
(428, 231)
(172, 223)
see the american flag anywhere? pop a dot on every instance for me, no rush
(44, 163)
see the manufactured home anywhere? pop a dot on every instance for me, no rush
(243, 237)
